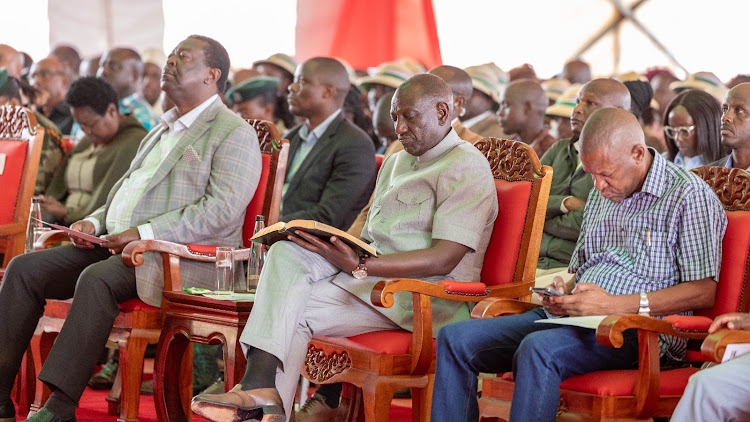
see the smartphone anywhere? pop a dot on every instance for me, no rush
(546, 291)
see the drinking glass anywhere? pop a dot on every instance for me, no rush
(224, 269)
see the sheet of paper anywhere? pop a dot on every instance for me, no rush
(234, 297)
(580, 321)
(735, 350)
(80, 235)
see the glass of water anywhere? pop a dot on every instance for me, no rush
(224, 269)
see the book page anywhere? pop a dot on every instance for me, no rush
(735, 350)
(578, 321)
(75, 233)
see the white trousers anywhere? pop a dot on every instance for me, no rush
(296, 301)
(719, 393)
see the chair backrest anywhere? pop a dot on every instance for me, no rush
(732, 186)
(523, 185)
(20, 148)
(267, 198)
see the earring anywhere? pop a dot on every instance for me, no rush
(463, 111)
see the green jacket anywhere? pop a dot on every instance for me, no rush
(113, 161)
(561, 230)
(52, 156)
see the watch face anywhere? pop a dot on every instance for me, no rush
(359, 273)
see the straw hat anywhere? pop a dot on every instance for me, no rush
(390, 74)
(704, 81)
(281, 60)
(565, 104)
(489, 79)
(555, 87)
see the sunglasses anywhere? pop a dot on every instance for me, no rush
(675, 131)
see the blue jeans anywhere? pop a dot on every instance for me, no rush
(541, 356)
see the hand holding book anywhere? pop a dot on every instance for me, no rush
(281, 231)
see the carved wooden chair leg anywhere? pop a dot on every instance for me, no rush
(377, 396)
(131, 372)
(113, 398)
(41, 344)
(350, 409)
(421, 401)
(174, 360)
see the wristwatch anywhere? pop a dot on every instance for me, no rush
(643, 308)
(361, 271)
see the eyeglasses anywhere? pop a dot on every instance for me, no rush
(675, 131)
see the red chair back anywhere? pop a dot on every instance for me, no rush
(18, 131)
(519, 178)
(733, 189)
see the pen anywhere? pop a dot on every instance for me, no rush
(648, 237)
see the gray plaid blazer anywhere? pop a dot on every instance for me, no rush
(198, 194)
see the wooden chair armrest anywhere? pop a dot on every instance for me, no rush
(12, 228)
(50, 238)
(498, 306)
(716, 343)
(382, 293)
(171, 253)
(609, 333)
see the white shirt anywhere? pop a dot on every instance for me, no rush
(120, 211)
(689, 162)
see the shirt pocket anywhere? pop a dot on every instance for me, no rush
(412, 210)
(652, 257)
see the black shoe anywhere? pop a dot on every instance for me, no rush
(7, 411)
(44, 415)
(104, 379)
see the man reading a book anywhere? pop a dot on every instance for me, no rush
(434, 208)
(650, 243)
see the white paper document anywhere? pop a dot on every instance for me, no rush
(735, 350)
(577, 321)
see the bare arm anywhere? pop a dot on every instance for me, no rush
(439, 259)
(590, 299)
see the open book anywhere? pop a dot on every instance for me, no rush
(281, 230)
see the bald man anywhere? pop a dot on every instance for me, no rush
(123, 69)
(460, 84)
(331, 170)
(735, 127)
(570, 183)
(307, 285)
(11, 59)
(650, 244)
(521, 114)
(577, 72)
(50, 76)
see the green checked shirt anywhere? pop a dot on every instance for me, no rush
(668, 233)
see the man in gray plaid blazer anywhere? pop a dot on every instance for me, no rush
(189, 182)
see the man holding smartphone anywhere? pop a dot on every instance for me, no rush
(650, 243)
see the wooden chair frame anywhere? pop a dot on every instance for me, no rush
(371, 378)
(732, 186)
(19, 124)
(134, 329)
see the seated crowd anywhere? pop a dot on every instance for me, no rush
(141, 146)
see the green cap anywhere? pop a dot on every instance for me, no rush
(3, 77)
(250, 89)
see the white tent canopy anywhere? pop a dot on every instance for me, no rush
(700, 34)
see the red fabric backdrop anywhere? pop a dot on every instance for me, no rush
(366, 33)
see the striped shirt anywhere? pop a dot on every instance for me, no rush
(668, 233)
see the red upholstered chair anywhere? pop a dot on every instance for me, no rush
(648, 391)
(139, 324)
(383, 362)
(20, 149)
(195, 318)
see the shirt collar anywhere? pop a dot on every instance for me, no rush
(319, 129)
(450, 141)
(172, 121)
(656, 179)
(730, 163)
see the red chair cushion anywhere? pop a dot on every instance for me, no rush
(621, 383)
(689, 323)
(255, 207)
(389, 342)
(465, 287)
(202, 249)
(136, 305)
(10, 179)
(505, 241)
